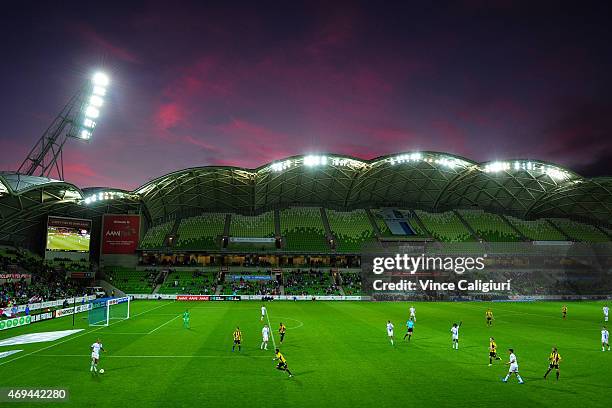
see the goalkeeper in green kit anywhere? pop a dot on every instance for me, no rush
(186, 316)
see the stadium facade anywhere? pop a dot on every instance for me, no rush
(428, 181)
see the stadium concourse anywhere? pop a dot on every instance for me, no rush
(297, 226)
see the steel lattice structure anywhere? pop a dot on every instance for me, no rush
(430, 181)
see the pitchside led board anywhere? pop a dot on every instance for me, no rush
(120, 234)
(68, 238)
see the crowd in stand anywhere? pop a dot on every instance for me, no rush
(254, 287)
(46, 283)
(351, 284)
(309, 282)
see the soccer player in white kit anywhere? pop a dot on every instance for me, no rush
(390, 331)
(513, 368)
(265, 337)
(455, 335)
(606, 311)
(263, 312)
(95, 355)
(413, 313)
(605, 339)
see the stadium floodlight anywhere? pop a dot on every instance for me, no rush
(314, 160)
(100, 79)
(96, 101)
(496, 167)
(88, 123)
(92, 112)
(280, 166)
(77, 119)
(98, 90)
(557, 174)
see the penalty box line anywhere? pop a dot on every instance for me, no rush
(163, 324)
(79, 335)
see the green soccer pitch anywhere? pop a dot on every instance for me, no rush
(73, 242)
(338, 352)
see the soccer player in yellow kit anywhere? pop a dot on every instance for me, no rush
(493, 351)
(489, 317)
(282, 362)
(553, 362)
(237, 339)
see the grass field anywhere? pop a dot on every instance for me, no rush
(338, 352)
(61, 242)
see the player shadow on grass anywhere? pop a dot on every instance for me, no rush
(539, 384)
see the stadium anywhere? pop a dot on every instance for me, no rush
(173, 238)
(295, 230)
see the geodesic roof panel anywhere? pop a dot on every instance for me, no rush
(307, 180)
(18, 183)
(511, 187)
(414, 180)
(431, 181)
(199, 189)
(3, 189)
(30, 199)
(585, 199)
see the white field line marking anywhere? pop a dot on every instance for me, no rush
(150, 356)
(295, 320)
(163, 314)
(80, 335)
(270, 327)
(162, 325)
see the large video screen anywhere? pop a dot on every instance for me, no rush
(68, 234)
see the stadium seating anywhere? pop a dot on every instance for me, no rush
(154, 237)
(536, 230)
(490, 227)
(251, 287)
(302, 229)
(414, 224)
(351, 284)
(259, 226)
(309, 282)
(579, 231)
(351, 229)
(445, 227)
(48, 282)
(130, 280)
(69, 265)
(382, 225)
(188, 281)
(201, 232)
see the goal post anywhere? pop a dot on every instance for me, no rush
(102, 311)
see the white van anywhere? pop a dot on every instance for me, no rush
(97, 290)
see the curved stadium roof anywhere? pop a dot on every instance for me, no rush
(431, 181)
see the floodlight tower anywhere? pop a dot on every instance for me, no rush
(76, 120)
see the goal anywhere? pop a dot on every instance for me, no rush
(102, 311)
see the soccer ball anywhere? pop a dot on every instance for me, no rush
(101, 371)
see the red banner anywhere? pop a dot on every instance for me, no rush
(120, 234)
(193, 297)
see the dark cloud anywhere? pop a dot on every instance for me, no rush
(600, 166)
(244, 84)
